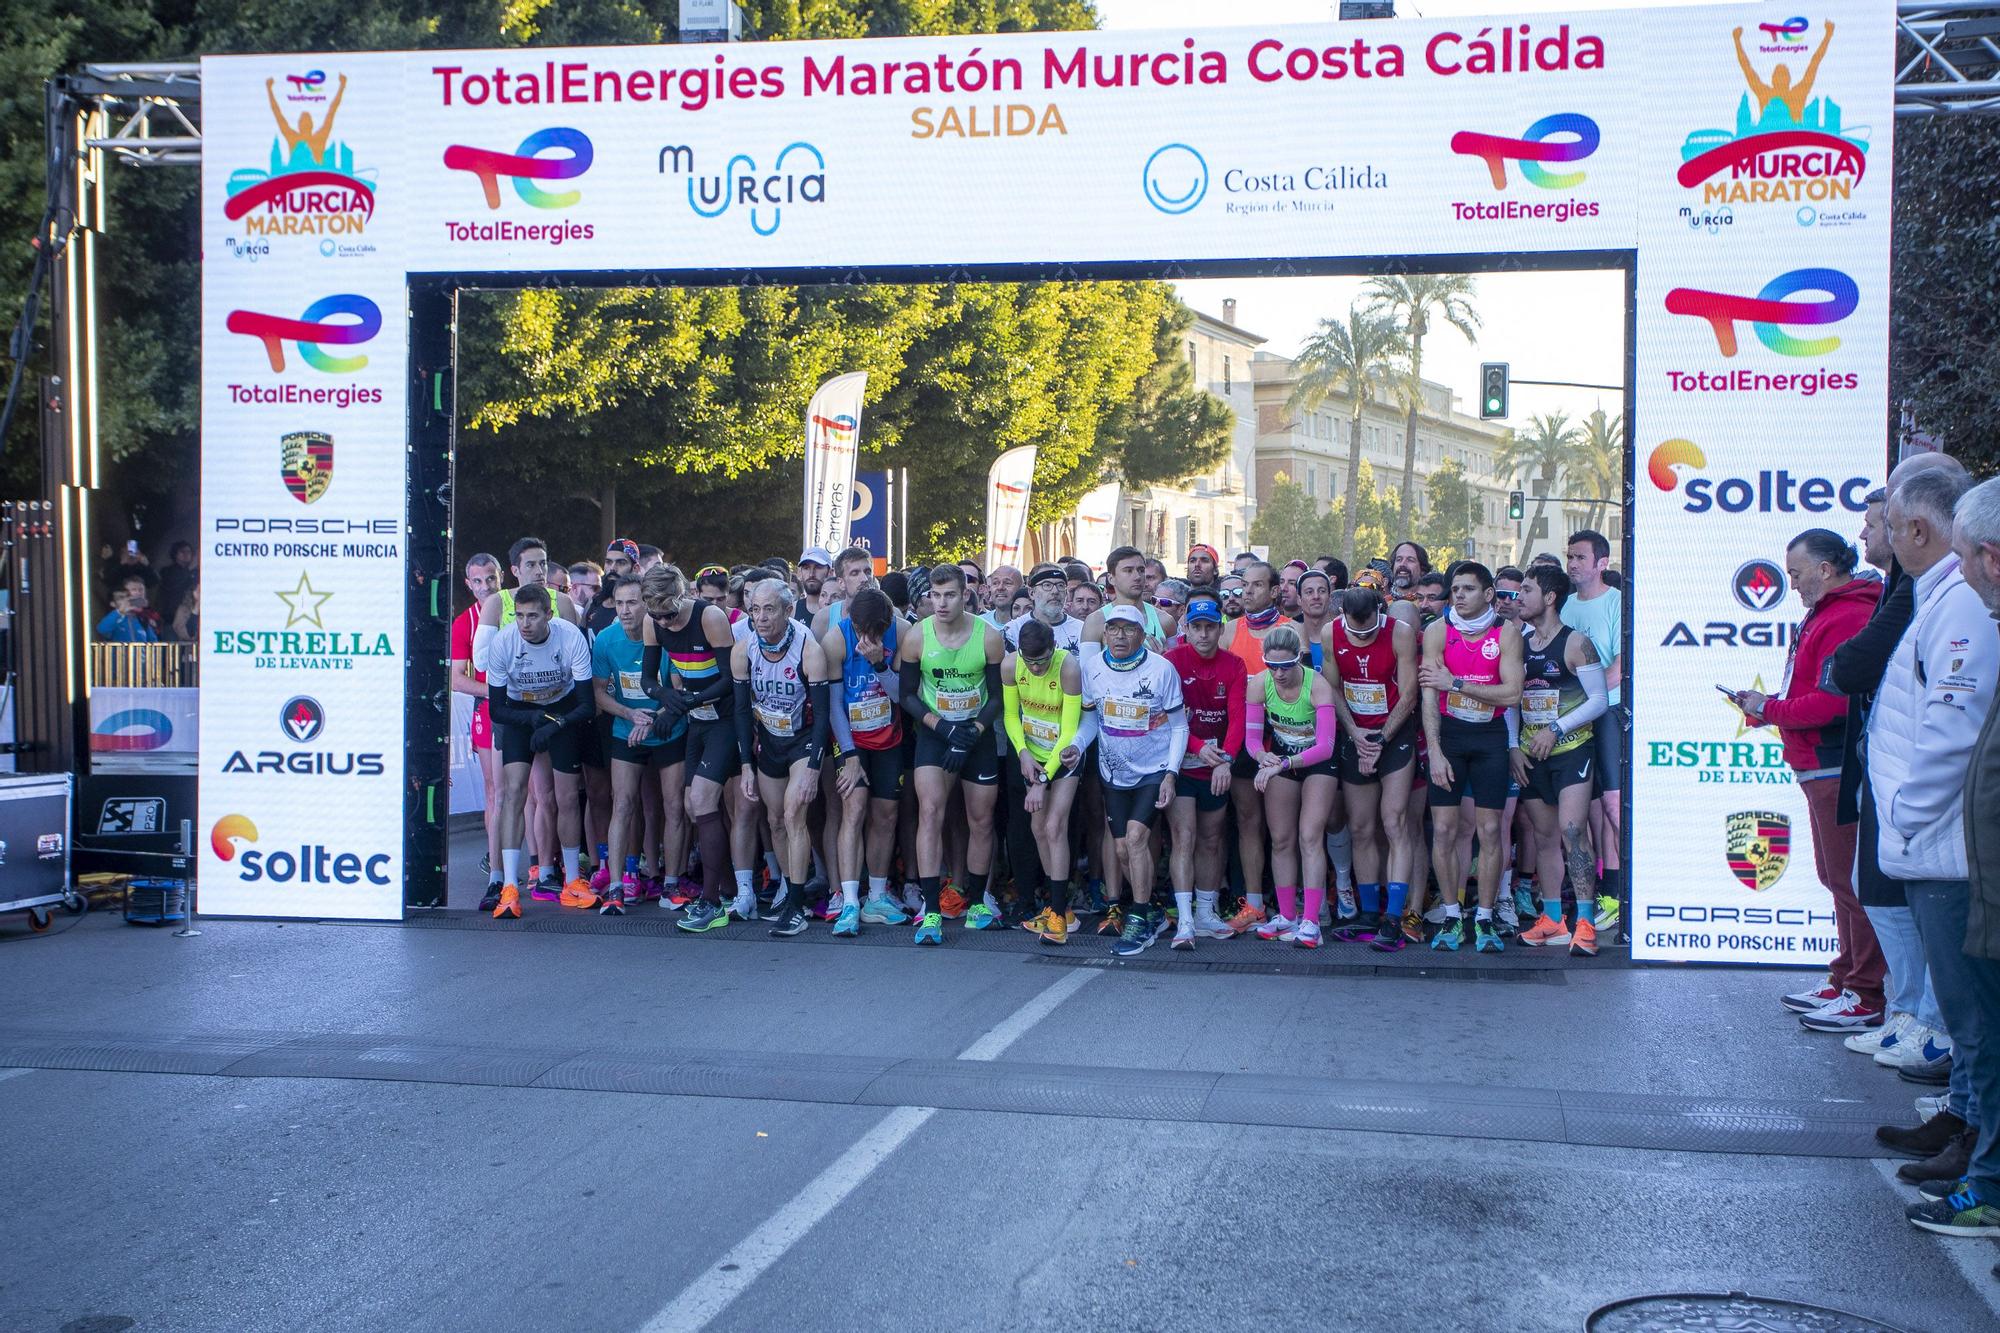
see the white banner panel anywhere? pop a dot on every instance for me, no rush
(1009, 483)
(833, 434)
(1736, 159)
(1096, 520)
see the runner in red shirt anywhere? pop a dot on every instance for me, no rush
(482, 580)
(1212, 685)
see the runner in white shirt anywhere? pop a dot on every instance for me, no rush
(1132, 709)
(538, 682)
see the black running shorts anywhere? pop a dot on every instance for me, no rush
(1548, 777)
(981, 767)
(1477, 752)
(1396, 756)
(1132, 805)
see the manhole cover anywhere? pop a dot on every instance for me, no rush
(1727, 1312)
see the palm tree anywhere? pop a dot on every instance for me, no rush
(1601, 462)
(1414, 300)
(1551, 448)
(1346, 359)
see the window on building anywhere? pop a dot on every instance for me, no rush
(1194, 358)
(1225, 374)
(1312, 482)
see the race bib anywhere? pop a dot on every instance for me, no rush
(958, 705)
(704, 713)
(1538, 706)
(548, 694)
(1295, 737)
(1131, 714)
(628, 685)
(1466, 708)
(1370, 697)
(774, 721)
(869, 714)
(1041, 730)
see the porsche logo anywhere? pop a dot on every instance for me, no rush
(306, 463)
(1758, 847)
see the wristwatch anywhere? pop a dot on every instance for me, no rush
(1458, 683)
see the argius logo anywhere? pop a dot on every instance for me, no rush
(228, 829)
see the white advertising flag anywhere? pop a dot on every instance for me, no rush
(833, 430)
(1096, 516)
(1008, 485)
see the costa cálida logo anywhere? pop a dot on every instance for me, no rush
(1757, 844)
(309, 186)
(1788, 146)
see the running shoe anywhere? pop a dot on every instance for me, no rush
(1607, 913)
(1928, 1107)
(681, 894)
(1051, 928)
(1525, 906)
(831, 909)
(1805, 1001)
(848, 923)
(1069, 923)
(1183, 936)
(546, 890)
(1485, 939)
(951, 904)
(702, 916)
(600, 878)
(486, 863)
(981, 917)
(1345, 902)
(1307, 935)
(1388, 940)
(1911, 1041)
(1583, 940)
(1360, 930)
(1546, 930)
(1849, 1013)
(1092, 898)
(883, 912)
(1884, 1038)
(1960, 1213)
(744, 906)
(791, 922)
(611, 904)
(1281, 928)
(774, 909)
(491, 899)
(930, 928)
(1413, 928)
(1137, 936)
(913, 900)
(1506, 921)
(633, 896)
(1436, 916)
(1451, 937)
(508, 904)
(1113, 922)
(1247, 919)
(1209, 926)
(577, 894)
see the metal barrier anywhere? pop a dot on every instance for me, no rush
(144, 665)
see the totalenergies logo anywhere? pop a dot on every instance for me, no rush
(1772, 310)
(312, 329)
(1786, 33)
(525, 165)
(1552, 140)
(228, 830)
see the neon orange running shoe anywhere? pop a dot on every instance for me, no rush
(510, 903)
(1248, 918)
(1545, 931)
(577, 893)
(951, 904)
(1584, 941)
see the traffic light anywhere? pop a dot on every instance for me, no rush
(1517, 506)
(1492, 389)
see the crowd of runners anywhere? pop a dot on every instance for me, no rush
(1279, 751)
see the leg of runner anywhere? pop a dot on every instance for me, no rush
(1249, 807)
(789, 800)
(1548, 927)
(1503, 901)
(709, 750)
(849, 847)
(1527, 864)
(1364, 824)
(598, 805)
(1131, 812)
(1400, 866)
(1181, 822)
(934, 787)
(1415, 811)
(543, 819)
(569, 837)
(1488, 823)
(1339, 847)
(1051, 830)
(489, 769)
(1024, 861)
(1578, 861)
(1112, 866)
(627, 780)
(981, 799)
(512, 820)
(670, 848)
(1211, 847)
(1609, 812)
(1446, 821)
(1281, 817)
(1316, 798)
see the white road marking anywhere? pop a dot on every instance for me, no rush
(6, 1074)
(1974, 1258)
(732, 1274)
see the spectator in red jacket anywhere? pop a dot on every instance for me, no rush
(1812, 721)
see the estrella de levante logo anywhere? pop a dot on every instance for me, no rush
(313, 330)
(526, 165)
(1771, 311)
(1552, 141)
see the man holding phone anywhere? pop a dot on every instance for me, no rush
(131, 619)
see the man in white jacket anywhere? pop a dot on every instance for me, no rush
(1927, 717)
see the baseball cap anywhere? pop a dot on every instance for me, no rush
(1046, 573)
(1129, 614)
(1204, 546)
(815, 555)
(1202, 607)
(625, 546)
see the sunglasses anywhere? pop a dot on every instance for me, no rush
(1165, 601)
(1283, 665)
(1507, 594)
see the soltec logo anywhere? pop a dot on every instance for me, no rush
(1175, 178)
(526, 165)
(797, 176)
(1553, 140)
(313, 863)
(302, 718)
(1771, 310)
(1759, 585)
(1769, 492)
(313, 328)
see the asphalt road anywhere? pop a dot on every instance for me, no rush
(493, 1129)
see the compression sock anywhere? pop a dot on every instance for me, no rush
(974, 891)
(572, 863)
(1369, 897)
(510, 865)
(1315, 904)
(1586, 908)
(603, 855)
(713, 839)
(878, 888)
(933, 887)
(1340, 849)
(632, 865)
(1184, 904)
(773, 872)
(746, 880)
(1288, 902)
(1058, 897)
(1399, 898)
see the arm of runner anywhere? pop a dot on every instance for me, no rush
(1253, 725)
(910, 672)
(1072, 716)
(1325, 722)
(819, 698)
(1511, 714)
(1407, 693)
(1177, 739)
(1086, 729)
(1010, 704)
(1590, 674)
(1433, 656)
(739, 674)
(507, 711)
(483, 636)
(989, 712)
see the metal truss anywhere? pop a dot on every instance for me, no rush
(1948, 58)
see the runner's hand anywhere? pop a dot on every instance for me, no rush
(1031, 769)
(1037, 797)
(541, 737)
(1517, 760)
(1434, 676)
(642, 727)
(850, 776)
(1441, 774)
(1211, 755)
(1219, 779)
(1540, 744)
(1166, 793)
(750, 785)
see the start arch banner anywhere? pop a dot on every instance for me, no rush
(1735, 159)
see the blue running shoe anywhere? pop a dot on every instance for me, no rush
(930, 930)
(849, 921)
(1138, 935)
(1484, 940)
(1451, 937)
(981, 917)
(882, 912)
